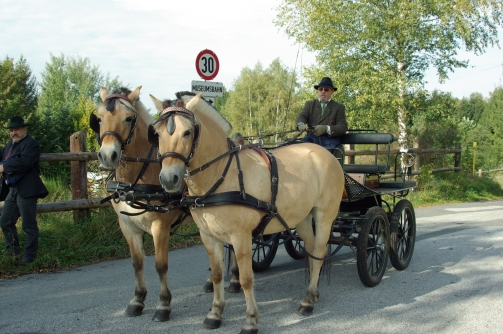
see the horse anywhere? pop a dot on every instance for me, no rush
(236, 191)
(121, 126)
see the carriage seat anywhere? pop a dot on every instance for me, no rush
(397, 184)
(364, 168)
(368, 138)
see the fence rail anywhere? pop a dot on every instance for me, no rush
(78, 158)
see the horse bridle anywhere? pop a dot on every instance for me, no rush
(110, 107)
(169, 113)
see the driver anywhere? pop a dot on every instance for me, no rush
(326, 117)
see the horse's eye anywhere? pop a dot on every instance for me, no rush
(186, 133)
(129, 119)
(98, 120)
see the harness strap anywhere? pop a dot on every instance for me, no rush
(229, 152)
(145, 165)
(230, 197)
(220, 180)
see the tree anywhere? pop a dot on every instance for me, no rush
(18, 92)
(69, 87)
(472, 107)
(492, 122)
(263, 101)
(378, 51)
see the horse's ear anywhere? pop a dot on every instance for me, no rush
(152, 137)
(135, 95)
(94, 123)
(103, 93)
(194, 101)
(157, 103)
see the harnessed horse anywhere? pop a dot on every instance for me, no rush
(234, 193)
(121, 126)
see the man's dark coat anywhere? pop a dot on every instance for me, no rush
(334, 115)
(28, 152)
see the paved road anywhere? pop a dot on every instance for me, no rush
(454, 284)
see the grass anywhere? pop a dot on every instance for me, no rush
(452, 187)
(65, 244)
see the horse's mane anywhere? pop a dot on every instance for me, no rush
(209, 110)
(140, 108)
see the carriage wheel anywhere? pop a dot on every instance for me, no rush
(262, 255)
(373, 247)
(403, 240)
(295, 247)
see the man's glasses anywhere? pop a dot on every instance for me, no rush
(321, 89)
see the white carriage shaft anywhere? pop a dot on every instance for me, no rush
(208, 88)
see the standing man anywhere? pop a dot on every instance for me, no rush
(326, 117)
(20, 167)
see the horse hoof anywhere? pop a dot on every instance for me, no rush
(212, 323)
(208, 287)
(161, 315)
(249, 331)
(234, 287)
(305, 310)
(133, 310)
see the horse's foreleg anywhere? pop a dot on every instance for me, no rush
(134, 238)
(243, 254)
(160, 233)
(318, 247)
(215, 250)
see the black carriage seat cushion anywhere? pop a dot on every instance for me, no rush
(364, 169)
(397, 184)
(367, 138)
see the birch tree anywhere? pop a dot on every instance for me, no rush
(378, 51)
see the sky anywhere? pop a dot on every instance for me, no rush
(154, 43)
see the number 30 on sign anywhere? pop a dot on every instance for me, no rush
(207, 64)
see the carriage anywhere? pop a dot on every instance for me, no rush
(374, 217)
(190, 132)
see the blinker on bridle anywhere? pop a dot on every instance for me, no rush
(113, 99)
(169, 113)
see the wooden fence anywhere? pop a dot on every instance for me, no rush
(78, 158)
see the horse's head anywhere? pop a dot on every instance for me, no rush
(114, 124)
(176, 133)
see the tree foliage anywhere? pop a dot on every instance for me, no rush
(67, 82)
(378, 51)
(69, 88)
(18, 92)
(263, 101)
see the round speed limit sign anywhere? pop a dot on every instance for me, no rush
(207, 64)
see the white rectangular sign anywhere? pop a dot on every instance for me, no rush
(208, 88)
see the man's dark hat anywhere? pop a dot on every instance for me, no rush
(16, 121)
(325, 82)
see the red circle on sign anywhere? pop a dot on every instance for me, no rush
(207, 64)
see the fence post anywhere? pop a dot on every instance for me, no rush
(79, 174)
(417, 161)
(457, 157)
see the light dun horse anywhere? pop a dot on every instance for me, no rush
(122, 123)
(310, 186)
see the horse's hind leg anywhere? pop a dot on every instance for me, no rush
(215, 250)
(317, 247)
(234, 285)
(161, 234)
(134, 238)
